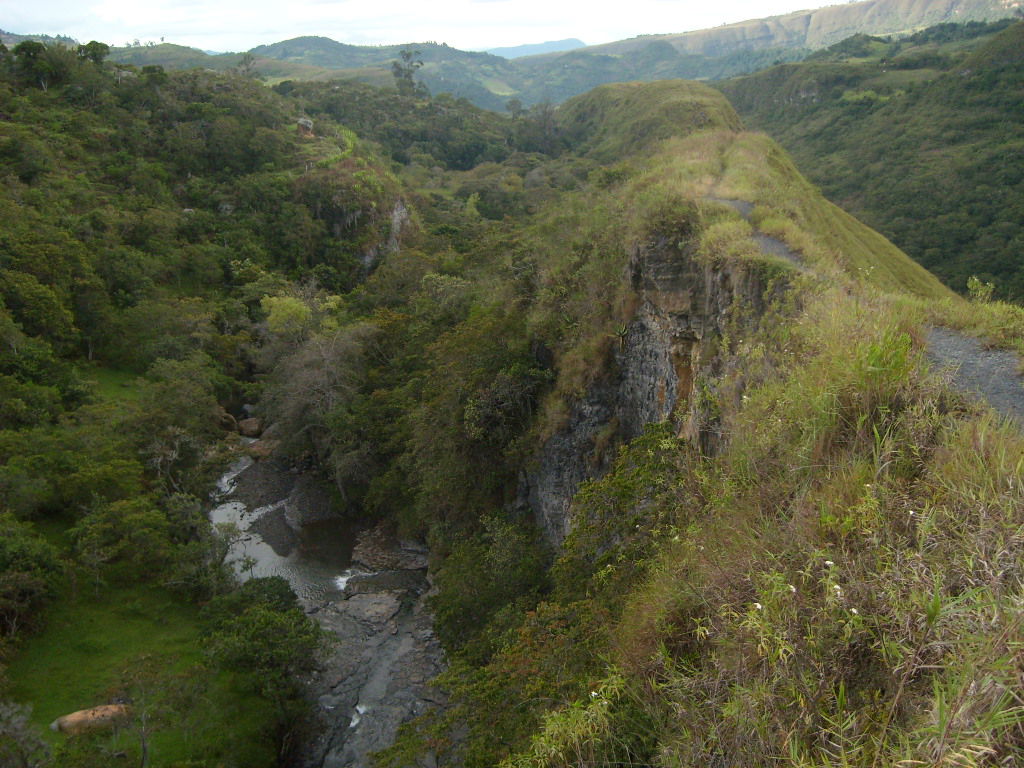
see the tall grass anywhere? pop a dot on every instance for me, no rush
(849, 590)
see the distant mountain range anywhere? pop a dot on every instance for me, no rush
(552, 46)
(11, 39)
(491, 80)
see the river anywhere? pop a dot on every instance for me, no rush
(284, 532)
(383, 653)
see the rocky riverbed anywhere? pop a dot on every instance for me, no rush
(365, 588)
(377, 675)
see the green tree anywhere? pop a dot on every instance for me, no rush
(247, 65)
(94, 51)
(44, 65)
(261, 632)
(133, 534)
(486, 582)
(515, 108)
(28, 56)
(28, 574)
(287, 316)
(404, 72)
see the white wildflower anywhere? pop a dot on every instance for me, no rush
(758, 606)
(854, 611)
(792, 589)
(829, 563)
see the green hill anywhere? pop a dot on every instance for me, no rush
(491, 81)
(614, 121)
(822, 27)
(179, 57)
(920, 137)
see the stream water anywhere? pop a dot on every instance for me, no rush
(276, 540)
(384, 653)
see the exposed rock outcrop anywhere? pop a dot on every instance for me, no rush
(400, 219)
(375, 550)
(682, 305)
(250, 427)
(86, 720)
(377, 675)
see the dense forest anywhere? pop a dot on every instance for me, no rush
(153, 228)
(809, 556)
(176, 245)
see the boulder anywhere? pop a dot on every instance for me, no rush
(225, 420)
(262, 449)
(377, 550)
(95, 719)
(250, 427)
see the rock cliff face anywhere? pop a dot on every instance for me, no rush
(821, 27)
(400, 220)
(682, 305)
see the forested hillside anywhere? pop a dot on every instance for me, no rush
(491, 81)
(921, 137)
(155, 231)
(660, 412)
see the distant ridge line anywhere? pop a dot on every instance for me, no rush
(534, 49)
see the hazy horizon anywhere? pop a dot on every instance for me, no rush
(234, 25)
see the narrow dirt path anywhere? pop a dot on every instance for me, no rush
(991, 374)
(768, 244)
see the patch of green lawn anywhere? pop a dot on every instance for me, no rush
(113, 384)
(142, 643)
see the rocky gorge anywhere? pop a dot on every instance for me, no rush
(682, 306)
(366, 589)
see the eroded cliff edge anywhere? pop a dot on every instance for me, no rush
(660, 361)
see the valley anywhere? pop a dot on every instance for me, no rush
(345, 425)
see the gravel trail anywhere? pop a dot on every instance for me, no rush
(768, 244)
(992, 374)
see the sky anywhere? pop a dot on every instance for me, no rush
(238, 25)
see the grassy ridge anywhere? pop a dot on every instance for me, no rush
(920, 138)
(810, 592)
(756, 169)
(614, 121)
